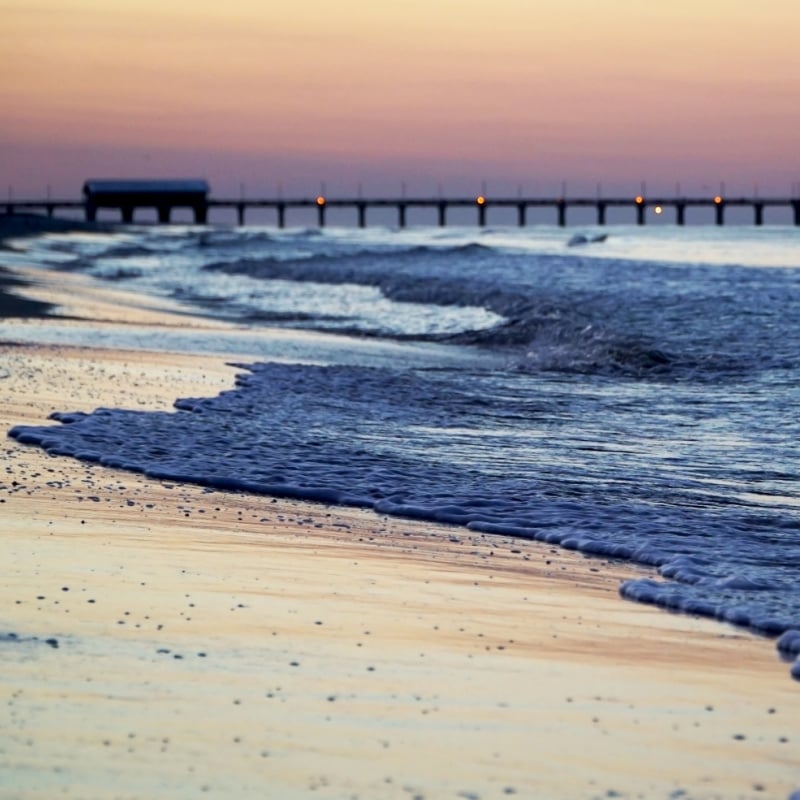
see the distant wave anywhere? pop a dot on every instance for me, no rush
(128, 251)
(122, 274)
(558, 312)
(320, 267)
(540, 329)
(235, 239)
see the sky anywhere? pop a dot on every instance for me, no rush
(362, 96)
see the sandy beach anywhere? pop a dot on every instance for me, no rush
(160, 640)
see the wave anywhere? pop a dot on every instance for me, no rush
(391, 437)
(547, 311)
(340, 267)
(128, 251)
(122, 274)
(575, 331)
(224, 239)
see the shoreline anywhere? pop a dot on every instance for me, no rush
(173, 640)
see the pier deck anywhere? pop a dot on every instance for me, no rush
(202, 205)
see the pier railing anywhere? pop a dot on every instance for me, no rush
(641, 205)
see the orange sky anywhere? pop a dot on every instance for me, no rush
(450, 92)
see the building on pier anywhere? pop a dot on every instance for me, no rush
(163, 195)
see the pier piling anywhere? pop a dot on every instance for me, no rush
(640, 209)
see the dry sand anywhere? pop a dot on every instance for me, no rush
(172, 642)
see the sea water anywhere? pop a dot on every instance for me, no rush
(636, 398)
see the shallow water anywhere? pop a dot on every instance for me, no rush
(635, 398)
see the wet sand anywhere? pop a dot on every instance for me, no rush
(160, 640)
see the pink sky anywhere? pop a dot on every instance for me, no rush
(451, 93)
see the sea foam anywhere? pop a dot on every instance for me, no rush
(387, 440)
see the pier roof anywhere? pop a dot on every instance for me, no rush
(139, 187)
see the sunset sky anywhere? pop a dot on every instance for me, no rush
(434, 93)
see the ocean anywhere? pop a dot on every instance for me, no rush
(635, 397)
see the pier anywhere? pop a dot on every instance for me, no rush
(126, 197)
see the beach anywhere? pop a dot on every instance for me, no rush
(161, 639)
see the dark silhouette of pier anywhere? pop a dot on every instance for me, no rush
(163, 195)
(193, 195)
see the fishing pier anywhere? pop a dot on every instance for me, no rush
(481, 204)
(126, 197)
